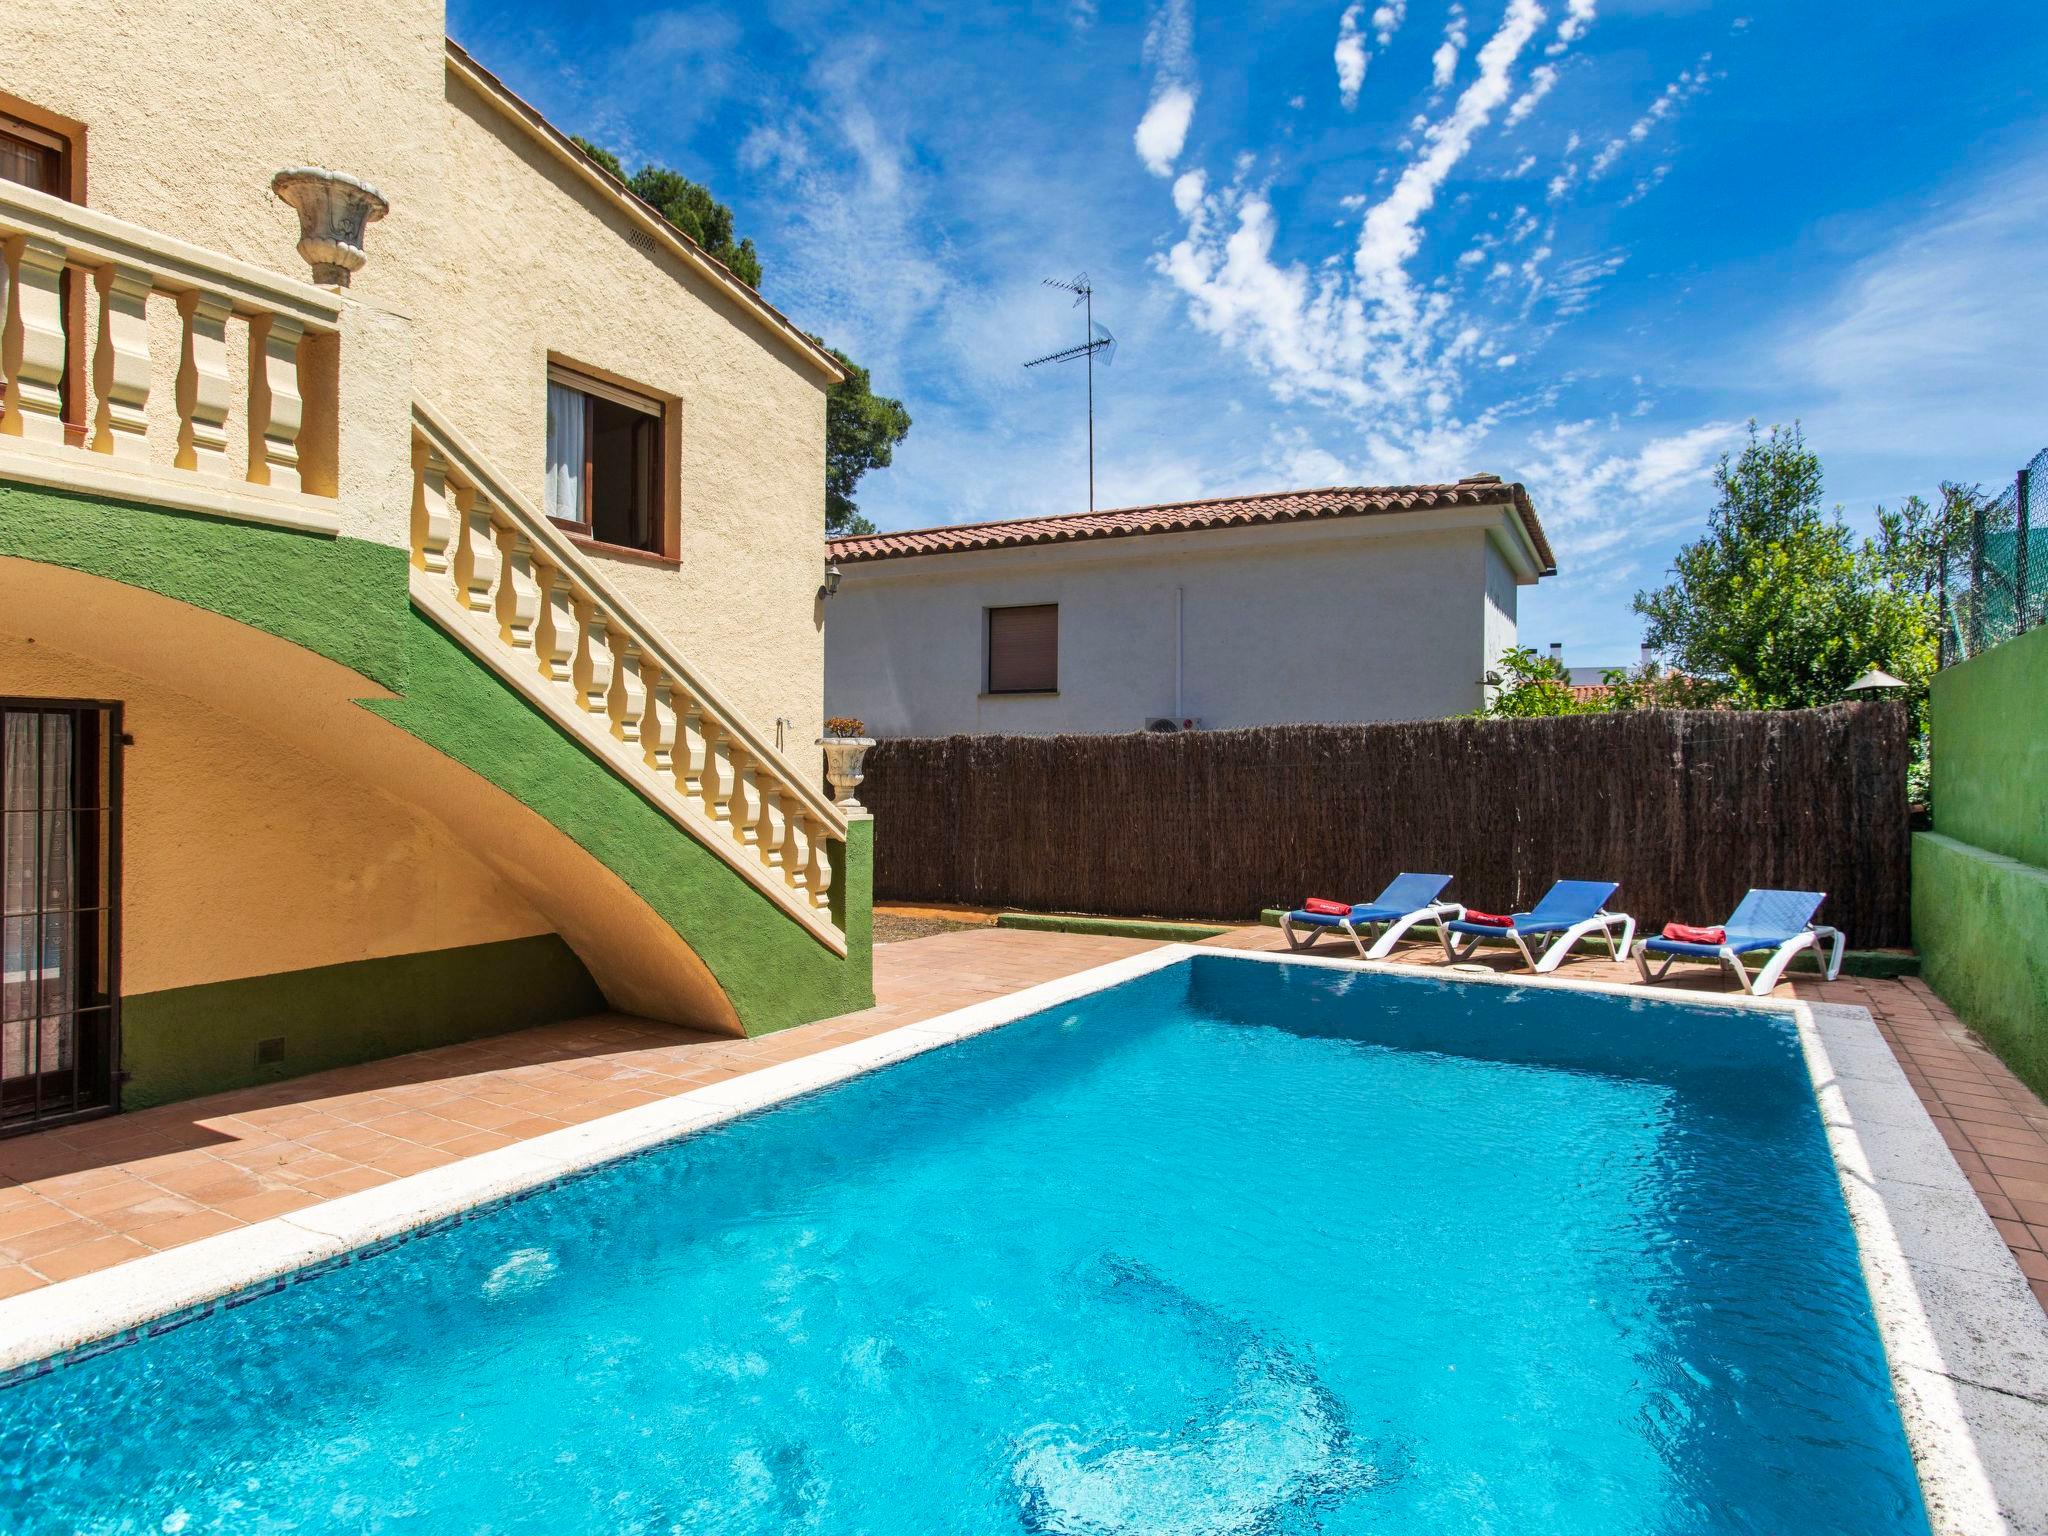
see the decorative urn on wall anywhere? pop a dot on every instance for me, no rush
(334, 211)
(846, 749)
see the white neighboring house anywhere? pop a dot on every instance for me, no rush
(1348, 604)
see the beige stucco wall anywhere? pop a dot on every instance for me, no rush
(493, 255)
(244, 857)
(752, 414)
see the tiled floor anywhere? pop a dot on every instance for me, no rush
(73, 1201)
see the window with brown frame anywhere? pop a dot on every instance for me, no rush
(605, 471)
(1024, 649)
(34, 157)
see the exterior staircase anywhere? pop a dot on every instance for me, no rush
(498, 577)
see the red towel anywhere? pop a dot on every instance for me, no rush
(1492, 919)
(1324, 907)
(1686, 934)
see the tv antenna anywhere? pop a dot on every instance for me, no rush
(1099, 340)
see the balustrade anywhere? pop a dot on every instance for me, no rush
(505, 580)
(77, 289)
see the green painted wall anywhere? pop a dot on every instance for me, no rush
(346, 599)
(1980, 922)
(1989, 749)
(772, 970)
(194, 1040)
(1980, 879)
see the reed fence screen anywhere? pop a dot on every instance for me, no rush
(1686, 808)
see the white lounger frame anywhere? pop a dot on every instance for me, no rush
(1437, 912)
(1461, 946)
(1759, 985)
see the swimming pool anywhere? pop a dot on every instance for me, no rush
(1234, 1247)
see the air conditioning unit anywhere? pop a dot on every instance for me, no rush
(1168, 723)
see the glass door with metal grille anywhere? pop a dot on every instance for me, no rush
(60, 873)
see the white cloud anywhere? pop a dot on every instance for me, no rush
(1578, 16)
(1163, 130)
(1541, 79)
(1597, 491)
(1386, 21)
(1367, 340)
(1444, 62)
(1350, 55)
(1170, 40)
(852, 248)
(1169, 47)
(1390, 235)
(1688, 85)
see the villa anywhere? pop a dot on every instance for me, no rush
(449, 1079)
(1344, 604)
(397, 657)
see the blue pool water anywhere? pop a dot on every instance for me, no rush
(1236, 1249)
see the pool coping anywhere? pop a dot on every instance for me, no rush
(1965, 1341)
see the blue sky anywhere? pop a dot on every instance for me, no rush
(1574, 242)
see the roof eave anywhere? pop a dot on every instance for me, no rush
(1540, 561)
(551, 138)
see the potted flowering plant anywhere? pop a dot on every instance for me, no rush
(846, 744)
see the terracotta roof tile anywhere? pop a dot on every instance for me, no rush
(1189, 516)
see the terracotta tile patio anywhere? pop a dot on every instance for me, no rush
(77, 1200)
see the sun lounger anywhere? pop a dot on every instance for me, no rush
(1408, 899)
(1568, 912)
(1777, 923)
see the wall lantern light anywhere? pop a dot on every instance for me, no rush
(1875, 681)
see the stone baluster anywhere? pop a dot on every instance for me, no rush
(433, 514)
(719, 780)
(120, 366)
(32, 342)
(555, 635)
(592, 670)
(476, 549)
(276, 411)
(693, 750)
(819, 885)
(627, 701)
(658, 726)
(203, 384)
(746, 800)
(796, 860)
(518, 591)
(774, 826)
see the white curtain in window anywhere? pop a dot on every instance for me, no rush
(566, 452)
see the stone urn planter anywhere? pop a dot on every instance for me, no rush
(334, 211)
(846, 750)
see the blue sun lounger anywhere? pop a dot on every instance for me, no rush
(1570, 909)
(1778, 921)
(1407, 900)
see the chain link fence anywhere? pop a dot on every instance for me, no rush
(1994, 577)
